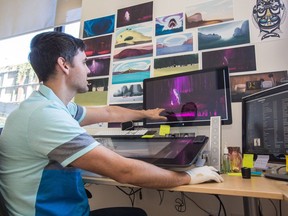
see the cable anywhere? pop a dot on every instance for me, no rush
(182, 203)
(280, 207)
(274, 206)
(260, 208)
(131, 194)
(221, 205)
(161, 195)
(277, 170)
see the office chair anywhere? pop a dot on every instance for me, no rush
(115, 211)
(3, 209)
(119, 211)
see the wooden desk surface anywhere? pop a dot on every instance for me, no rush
(283, 187)
(258, 187)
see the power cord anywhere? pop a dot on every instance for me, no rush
(131, 194)
(221, 205)
(181, 204)
(161, 195)
(281, 167)
(260, 208)
(274, 206)
(280, 207)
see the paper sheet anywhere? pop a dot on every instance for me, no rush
(261, 162)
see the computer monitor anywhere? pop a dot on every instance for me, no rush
(265, 123)
(189, 98)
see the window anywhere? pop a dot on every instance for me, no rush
(17, 78)
(73, 29)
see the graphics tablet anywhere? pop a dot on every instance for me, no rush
(171, 153)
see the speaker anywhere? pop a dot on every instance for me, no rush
(215, 142)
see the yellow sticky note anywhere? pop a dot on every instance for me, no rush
(164, 129)
(286, 156)
(248, 160)
(147, 136)
(234, 174)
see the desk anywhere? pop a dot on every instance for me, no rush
(249, 189)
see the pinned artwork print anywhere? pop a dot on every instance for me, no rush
(269, 17)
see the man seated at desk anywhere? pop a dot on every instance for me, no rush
(43, 146)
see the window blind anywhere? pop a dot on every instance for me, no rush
(19, 17)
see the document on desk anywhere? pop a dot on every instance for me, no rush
(261, 162)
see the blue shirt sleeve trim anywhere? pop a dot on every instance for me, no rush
(80, 114)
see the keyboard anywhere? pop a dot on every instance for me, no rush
(119, 133)
(281, 177)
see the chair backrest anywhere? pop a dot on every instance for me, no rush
(3, 209)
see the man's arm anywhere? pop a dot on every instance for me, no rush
(105, 162)
(118, 114)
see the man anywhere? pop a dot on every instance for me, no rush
(43, 146)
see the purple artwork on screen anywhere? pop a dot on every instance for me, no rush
(188, 98)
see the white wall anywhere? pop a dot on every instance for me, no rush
(270, 56)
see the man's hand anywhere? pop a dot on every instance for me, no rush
(154, 114)
(204, 174)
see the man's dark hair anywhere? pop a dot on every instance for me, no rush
(47, 47)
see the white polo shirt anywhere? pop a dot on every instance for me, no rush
(40, 139)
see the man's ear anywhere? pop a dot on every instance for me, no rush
(62, 63)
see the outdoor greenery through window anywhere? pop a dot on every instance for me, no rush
(17, 78)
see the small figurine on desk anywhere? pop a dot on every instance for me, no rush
(235, 158)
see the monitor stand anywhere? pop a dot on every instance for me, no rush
(184, 131)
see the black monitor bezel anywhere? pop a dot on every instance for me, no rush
(258, 95)
(227, 121)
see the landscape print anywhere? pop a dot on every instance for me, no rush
(134, 52)
(223, 35)
(129, 72)
(122, 93)
(135, 14)
(99, 26)
(238, 59)
(98, 45)
(169, 24)
(97, 94)
(98, 66)
(175, 64)
(244, 85)
(136, 34)
(203, 13)
(175, 43)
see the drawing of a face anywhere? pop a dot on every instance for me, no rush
(268, 16)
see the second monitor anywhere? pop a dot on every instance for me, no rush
(189, 98)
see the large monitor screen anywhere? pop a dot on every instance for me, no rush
(189, 98)
(265, 123)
